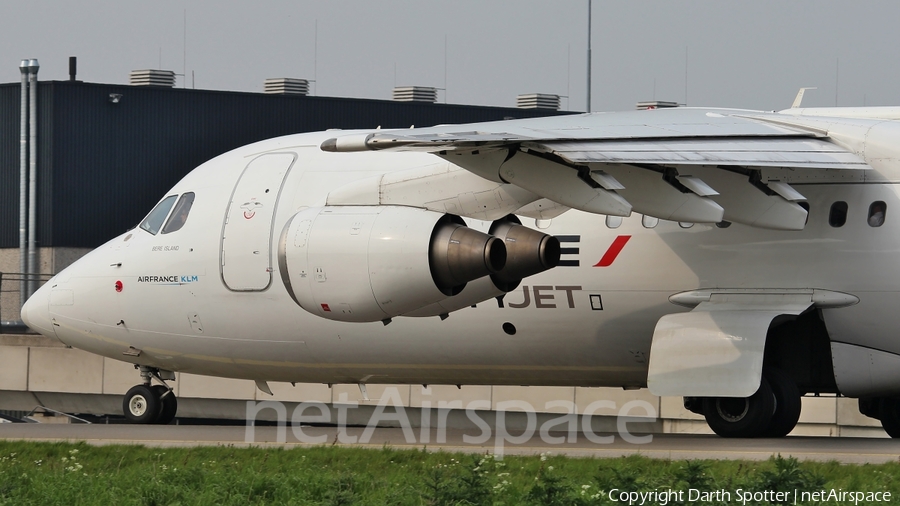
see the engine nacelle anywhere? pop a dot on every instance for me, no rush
(528, 252)
(371, 263)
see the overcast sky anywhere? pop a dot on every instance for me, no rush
(710, 53)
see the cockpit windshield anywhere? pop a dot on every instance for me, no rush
(180, 214)
(155, 219)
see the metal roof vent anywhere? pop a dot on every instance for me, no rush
(286, 86)
(656, 104)
(162, 78)
(415, 94)
(538, 101)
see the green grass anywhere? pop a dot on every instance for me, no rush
(75, 474)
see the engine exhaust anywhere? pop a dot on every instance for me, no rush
(459, 254)
(528, 252)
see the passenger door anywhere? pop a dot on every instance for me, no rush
(246, 254)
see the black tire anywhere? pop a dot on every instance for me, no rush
(169, 405)
(742, 417)
(787, 403)
(890, 417)
(141, 404)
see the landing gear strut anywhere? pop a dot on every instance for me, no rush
(146, 403)
(773, 411)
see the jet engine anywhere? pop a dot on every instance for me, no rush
(371, 263)
(528, 252)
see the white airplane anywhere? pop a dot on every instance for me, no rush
(740, 259)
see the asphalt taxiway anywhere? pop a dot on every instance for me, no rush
(667, 446)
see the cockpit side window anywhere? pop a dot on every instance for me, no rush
(155, 219)
(180, 214)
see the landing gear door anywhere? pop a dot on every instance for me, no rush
(717, 349)
(246, 255)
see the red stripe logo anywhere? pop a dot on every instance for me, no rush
(615, 248)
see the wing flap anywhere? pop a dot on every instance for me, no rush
(753, 152)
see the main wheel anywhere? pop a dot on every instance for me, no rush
(787, 403)
(141, 404)
(169, 405)
(741, 416)
(890, 417)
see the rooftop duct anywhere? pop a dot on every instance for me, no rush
(161, 78)
(286, 86)
(538, 101)
(656, 104)
(415, 94)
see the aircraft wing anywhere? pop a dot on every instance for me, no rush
(682, 164)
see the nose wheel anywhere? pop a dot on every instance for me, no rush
(169, 405)
(150, 404)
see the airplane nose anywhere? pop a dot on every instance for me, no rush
(36, 312)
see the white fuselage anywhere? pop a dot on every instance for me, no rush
(573, 325)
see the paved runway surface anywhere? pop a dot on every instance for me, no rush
(668, 446)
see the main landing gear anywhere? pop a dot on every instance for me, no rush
(146, 403)
(773, 411)
(884, 409)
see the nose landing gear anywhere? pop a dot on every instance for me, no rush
(150, 404)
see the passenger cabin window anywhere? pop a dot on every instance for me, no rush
(155, 219)
(838, 215)
(180, 214)
(613, 221)
(649, 221)
(877, 211)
